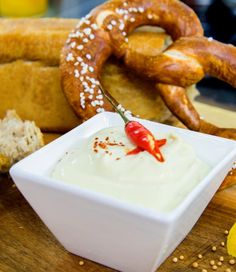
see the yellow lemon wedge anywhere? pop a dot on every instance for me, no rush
(231, 241)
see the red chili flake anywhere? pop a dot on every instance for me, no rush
(95, 144)
(102, 145)
(112, 144)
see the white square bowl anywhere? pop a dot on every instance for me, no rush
(106, 230)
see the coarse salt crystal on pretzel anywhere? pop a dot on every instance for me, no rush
(109, 25)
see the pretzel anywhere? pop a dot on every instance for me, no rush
(104, 32)
(186, 62)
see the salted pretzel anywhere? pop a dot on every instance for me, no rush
(104, 32)
(186, 61)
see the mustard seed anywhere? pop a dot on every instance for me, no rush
(213, 248)
(204, 270)
(81, 263)
(232, 261)
(222, 244)
(175, 260)
(227, 270)
(221, 258)
(199, 256)
(226, 232)
(212, 262)
(214, 267)
(195, 265)
(219, 263)
(181, 257)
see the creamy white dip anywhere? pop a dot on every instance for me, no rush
(100, 163)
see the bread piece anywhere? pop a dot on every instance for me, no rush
(17, 139)
(33, 39)
(134, 93)
(33, 90)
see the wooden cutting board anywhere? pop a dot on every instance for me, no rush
(27, 245)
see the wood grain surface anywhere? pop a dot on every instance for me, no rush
(27, 245)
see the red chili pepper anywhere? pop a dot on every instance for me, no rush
(138, 134)
(144, 140)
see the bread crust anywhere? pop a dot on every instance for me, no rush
(33, 39)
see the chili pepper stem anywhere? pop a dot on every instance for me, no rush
(114, 104)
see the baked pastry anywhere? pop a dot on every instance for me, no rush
(105, 31)
(17, 139)
(33, 39)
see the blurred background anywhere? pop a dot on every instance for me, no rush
(218, 18)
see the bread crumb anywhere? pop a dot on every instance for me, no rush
(17, 139)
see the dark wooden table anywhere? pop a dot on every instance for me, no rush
(27, 245)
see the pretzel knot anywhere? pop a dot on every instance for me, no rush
(105, 31)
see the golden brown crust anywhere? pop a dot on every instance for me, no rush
(217, 59)
(33, 90)
(186, 61)
(33, 39)
(177, 100)
(229, 133)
